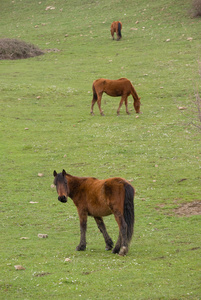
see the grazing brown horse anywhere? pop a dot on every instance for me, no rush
(116, 26)
(99, 198)
(115, 88)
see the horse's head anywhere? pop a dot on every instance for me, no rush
(60, 181)
(137, 104)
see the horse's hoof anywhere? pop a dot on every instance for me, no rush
(123, 251)
(80, 248)
(107, 248)
(115, 250)
(92, 114)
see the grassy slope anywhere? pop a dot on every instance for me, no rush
(155, 151)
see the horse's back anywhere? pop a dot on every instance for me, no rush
(109, 81)
(98, 81)
(115, 25)
(115, 190)
(102, 195)
(98, 84)
(122, 84)
(114, 182)
(123, 78)
(113, 88)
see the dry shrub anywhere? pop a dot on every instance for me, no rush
(196, 8)
(16, 49)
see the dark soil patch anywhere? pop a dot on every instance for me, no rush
(42, 274)
(16, 49)
(184, 209)
(188, 209)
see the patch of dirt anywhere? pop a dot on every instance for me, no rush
(184, 209)
(53, 50)
(188, 209)
(17, 49)
(42, 274)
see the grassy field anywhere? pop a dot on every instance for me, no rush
(45, 125)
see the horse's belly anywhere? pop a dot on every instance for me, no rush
(115, 93)
(99, 211)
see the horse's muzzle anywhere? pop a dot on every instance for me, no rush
(62, 199)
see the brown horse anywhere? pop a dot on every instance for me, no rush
(116, 26)
(115, 88)
(99, 198)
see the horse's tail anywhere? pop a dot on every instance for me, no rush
(94, 93)
(119, 29)
(129, 209)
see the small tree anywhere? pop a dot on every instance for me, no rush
(196, 8)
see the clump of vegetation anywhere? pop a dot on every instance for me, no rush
(16, 49)
(196, 110)
(197, 103)
(196, 8)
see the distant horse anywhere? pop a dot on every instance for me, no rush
(115, 88)
(99, 198)
(116, 26)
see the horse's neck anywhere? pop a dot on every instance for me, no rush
(134, 94)
(73, 184)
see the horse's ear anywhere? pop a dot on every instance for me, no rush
(55, 173)
(139, 98)
(63, 172)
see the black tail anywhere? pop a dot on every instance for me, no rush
(94, 93)
(119, 30)
(129, 210)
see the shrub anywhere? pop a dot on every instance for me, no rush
(196, 8)
(16, 49)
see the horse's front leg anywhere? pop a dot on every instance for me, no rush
(126, 104)
(102, 228)
(83, 229)
(120, 104)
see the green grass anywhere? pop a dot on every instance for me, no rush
(46, 124)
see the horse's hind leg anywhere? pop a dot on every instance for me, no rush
(102, 228)
(122, 240)
(117, 247)
(112, 33)
(92, 106)
(99, 103)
